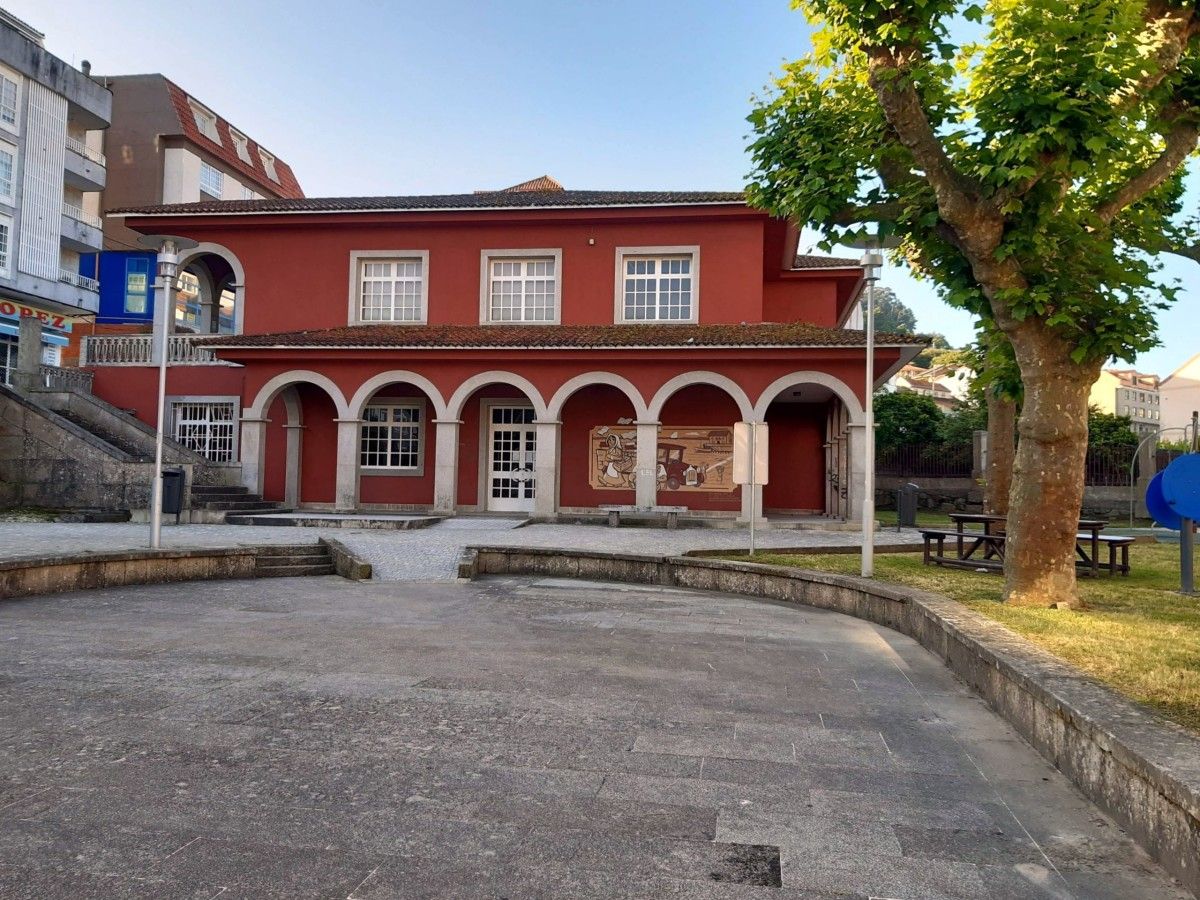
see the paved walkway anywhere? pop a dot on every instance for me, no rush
(316, 738)
(425, 554)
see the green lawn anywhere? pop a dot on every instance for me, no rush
(1136, 634)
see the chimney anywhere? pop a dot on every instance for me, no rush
(86, 68)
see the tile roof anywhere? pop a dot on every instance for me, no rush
(508, 199)
(809, 261)
(287, 185)
(573, 337)
(541, 183)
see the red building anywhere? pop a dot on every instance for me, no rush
(533, 350)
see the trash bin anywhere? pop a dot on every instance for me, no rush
(906, 506)
(173, 482)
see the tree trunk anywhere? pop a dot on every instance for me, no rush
(1001, 447)
(1048, 474)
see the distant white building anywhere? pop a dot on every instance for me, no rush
(947, 385)
(1179, 395)
(1126, 392)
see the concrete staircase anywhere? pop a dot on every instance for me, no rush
(292, 561)
(227, 498)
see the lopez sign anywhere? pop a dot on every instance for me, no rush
(10, 309)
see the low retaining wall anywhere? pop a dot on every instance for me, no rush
(78, 572)
(345, 563)
(1142, 770)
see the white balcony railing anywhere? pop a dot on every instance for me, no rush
(138, 350)
(80, 281)
(78, 146)
(71, 211)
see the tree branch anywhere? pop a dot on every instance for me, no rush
(1181, 141)
(887, 211)
(1169, 28)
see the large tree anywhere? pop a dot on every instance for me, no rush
(1024, 153)
(892, 315)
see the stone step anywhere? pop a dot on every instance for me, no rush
(291, 550)
(295, 571)
(308, 559)
(221, 490)
(248, 505)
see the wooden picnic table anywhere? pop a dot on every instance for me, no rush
(994, 525)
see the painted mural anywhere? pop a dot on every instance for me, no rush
(690, 458)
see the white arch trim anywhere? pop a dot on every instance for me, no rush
(455, 406)
(687, 379)
(206, 248)
(840, 388)
(624, 385)
(266, 394)
(397, 376)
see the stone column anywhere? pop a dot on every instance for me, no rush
(545, 501)
(27, 376)
(251, 449)
(291, 481)
(647, 464)
(445, 467)
(345, 494)
(856, 470)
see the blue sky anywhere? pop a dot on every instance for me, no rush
(453, 96)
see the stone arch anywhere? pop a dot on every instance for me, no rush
(454, 406)
(624, 385)
(208, 248)
(374, 383)
(266, 394)
(840, 389)
(688, 379)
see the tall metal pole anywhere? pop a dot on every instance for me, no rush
(871, 261)
(166, 262)
(753, 479)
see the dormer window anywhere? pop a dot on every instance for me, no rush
(268, 162)
(206, 121)
(241, 144)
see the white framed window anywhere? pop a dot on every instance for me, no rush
(520, 286)
(206, 121)
(388, 286)
(391, 437)
(249, 194)
(10, 99)
(8, 173)
(657, 284)
(241, 144)
(206, 425)
(212, 180)
(268, 162)
(6, 225)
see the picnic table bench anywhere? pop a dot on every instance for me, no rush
(670, 513)
(985, 550)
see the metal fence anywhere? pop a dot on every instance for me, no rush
(925, 460)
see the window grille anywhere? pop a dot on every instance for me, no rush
(206, 428)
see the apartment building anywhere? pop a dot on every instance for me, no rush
(1126, 392)
(52, 168)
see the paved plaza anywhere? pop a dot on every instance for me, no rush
(519, 738)
(424, 554)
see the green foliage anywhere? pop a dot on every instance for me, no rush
(892, 316)
(1042, 122)
(937, 346)
(1108, 430)
(958, 427)
(904, 418)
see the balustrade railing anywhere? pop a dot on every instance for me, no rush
(58, 378)
(80, 281)
(76, 213)
(138, 350)
(78, 146)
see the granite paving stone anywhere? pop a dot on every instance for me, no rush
(517, 738)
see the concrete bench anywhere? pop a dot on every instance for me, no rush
(671, 513)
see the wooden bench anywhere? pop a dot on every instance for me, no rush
(670, 513)
(1115, 544)
(967, 544)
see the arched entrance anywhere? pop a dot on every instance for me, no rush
(208, 298)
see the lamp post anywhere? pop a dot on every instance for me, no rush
(168, 247)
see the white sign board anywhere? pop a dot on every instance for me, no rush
(749, 443)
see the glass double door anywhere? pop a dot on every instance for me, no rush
(512, 459)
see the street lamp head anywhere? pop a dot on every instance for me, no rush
(169, 247)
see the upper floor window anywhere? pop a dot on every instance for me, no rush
(212, 180)
(206, 121)
(241, 144)
(8, 168)
(137, 283)
(9, 92)
(657, 284)
(268, 162)
(5, 243)
(249, 194)
(521, 285)
(389, 286)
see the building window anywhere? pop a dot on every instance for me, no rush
(390, 289)
(241, 144)
(8, 102)
(187, 301)
(206, 427)
(657, 286)
(212, 180)
(5, 243)
(521, 289)
(137, 284)
(8, 358)
(268, 162)
(8, 169)
(391, 437)
(248, 194)
(206, 121)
